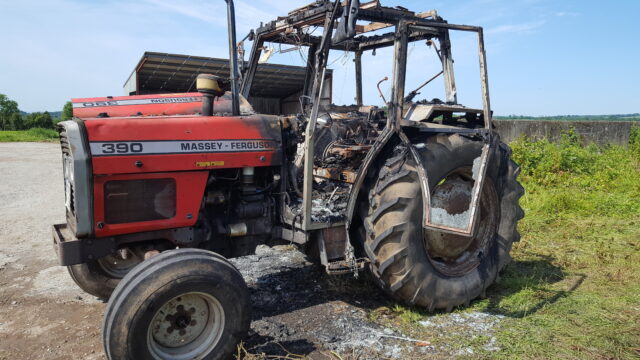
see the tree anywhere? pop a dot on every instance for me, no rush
(67, 111)
(16, 121)
(39, 120)
(9, 113)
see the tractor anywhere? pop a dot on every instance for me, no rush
(161, 189)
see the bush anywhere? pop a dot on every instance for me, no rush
(39, 120)
(568, 179)
(634, 141)
(34, 134)
(43, 133)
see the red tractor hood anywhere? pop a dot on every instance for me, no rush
(149, 105)
(125, 145)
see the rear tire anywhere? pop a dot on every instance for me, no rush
(406, 260)
(100, 277)
(181, 304)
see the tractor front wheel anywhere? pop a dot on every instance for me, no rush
(181, 304)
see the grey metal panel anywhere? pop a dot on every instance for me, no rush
(131, 84)
(161, 72)
(82, 178)
(263, 105)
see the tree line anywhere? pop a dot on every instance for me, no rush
(11, 118)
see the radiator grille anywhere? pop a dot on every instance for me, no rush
(69, 185)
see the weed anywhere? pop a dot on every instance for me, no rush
(634, 141)
(34, 135)
(573, 287)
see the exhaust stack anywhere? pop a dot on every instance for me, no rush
(233, 58)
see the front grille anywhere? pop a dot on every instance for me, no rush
(76, 163)
(64, 141)
(69, 186)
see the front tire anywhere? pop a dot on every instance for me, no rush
(428, 268)
(181, 304)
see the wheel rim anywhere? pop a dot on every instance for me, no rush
(455, 255)
(117, 267)
(188, 326)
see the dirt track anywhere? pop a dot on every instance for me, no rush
(296, 308)
(43, 315)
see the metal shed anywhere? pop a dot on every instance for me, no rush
(275, 89)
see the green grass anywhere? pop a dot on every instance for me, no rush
(35, 134)
(572, 290)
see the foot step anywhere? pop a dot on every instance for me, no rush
(346, 267)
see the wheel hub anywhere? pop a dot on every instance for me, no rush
(117, 267)
(182, 320)
(186, 326)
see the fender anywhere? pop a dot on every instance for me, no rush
(385, 138)
(381, 142)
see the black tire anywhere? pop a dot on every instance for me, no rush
(142, 307)
(402, 255)
(98, 278)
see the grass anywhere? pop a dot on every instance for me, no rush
(572, 290)
(32, 135)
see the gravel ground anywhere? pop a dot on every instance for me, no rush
(297, 309)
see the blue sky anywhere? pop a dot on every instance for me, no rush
(545, 57)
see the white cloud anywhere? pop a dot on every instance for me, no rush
(522, 28)
(211, 12)
(249, 14)
(565, 13)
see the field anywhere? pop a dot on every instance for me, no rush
(33, 135)
(573, 288)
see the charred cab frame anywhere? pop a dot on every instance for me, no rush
(408, 27)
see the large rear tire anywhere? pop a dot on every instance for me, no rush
(181, 304)
(429, 268)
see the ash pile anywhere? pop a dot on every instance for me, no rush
(329, 204)
(329, 201)
(299, 310)
(342, 142)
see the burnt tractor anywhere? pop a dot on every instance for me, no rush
(162, 189)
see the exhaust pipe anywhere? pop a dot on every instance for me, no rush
(233, 58)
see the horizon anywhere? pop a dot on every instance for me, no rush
(634, 115)
(544, 58)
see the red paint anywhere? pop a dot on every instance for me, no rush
(180, 162)
(190, 176)
(107, 105)
(189, 192)
(183, 128)
(175, 128)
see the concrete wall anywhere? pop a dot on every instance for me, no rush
(600, 132)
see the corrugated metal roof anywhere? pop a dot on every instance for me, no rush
(162, 72)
